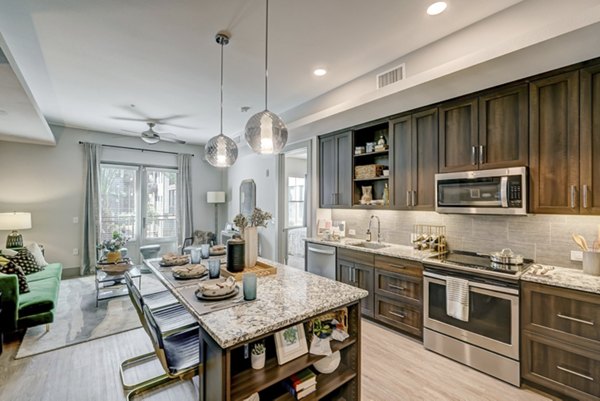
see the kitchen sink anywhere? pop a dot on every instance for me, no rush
(369, 245)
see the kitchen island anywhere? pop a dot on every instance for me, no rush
(284, 299)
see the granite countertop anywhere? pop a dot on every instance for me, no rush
(284, 298)
(393, 250)
(563, 277)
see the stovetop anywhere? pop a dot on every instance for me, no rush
(479, 264)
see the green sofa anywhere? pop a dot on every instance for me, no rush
(20, 311)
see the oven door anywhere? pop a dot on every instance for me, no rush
(493, 315)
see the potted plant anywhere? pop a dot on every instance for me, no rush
(257, 356)
(248, 229)
(113, 246)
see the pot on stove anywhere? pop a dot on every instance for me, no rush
(507, 257)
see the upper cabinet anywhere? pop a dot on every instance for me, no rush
(489, 131)
(335, 170)
(371, 166)
(415, 158)
(589, 127)
(554, 144)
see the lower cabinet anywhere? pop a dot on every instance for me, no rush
(561, 340)
(404, 316)
(359, 275)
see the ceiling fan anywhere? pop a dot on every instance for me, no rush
(151, 137)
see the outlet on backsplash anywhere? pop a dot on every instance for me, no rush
(576, 256)
(351, 231)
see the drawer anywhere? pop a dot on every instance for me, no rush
(402, 315)
(398, 286)
(402, 266)
(562, 367)
(355, 256)
(565, 314)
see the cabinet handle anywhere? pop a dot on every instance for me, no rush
(585, 196)
(396, 287)
(413, 197)
(407, 198)
(572, 196)
(574, 319)
(573, 372)
(474, 155)
(397, 266)
(481, 154)
(400, 315)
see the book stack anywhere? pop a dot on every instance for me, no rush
(301, 384)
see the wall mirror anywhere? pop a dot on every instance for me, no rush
(247, 197)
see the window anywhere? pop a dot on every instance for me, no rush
(296, 201)
(118, 203)
(160, 220)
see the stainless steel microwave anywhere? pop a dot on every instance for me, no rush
(498, 191)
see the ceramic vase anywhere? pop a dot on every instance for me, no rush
(113, 256)
(367, 195)
(258, 361)
(251, 249)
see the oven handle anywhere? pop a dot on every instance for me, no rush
(475, 284)
(504, 191)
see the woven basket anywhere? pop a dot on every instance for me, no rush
(368, 171)
(115, 269)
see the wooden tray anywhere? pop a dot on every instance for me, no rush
(261, 269)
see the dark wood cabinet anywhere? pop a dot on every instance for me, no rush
(503, 128)
(554, 144)
(590, 140)
(561, 340)
(335, 170)
(415, 160)
(458, 136)
(351, 271)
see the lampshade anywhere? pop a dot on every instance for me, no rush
(265, 132)
(221, 151)
(215, 197)
(15, 221)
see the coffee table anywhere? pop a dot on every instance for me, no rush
(113, 285)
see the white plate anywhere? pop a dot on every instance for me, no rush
(328, 364)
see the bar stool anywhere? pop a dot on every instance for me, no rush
(178, 353)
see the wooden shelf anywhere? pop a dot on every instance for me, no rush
(325, 384)
(250, 380)
(377, 153)
(372, 179)
(359, 206)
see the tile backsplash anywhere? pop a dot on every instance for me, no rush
(544, 238)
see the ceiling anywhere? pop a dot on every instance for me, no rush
(92, 64)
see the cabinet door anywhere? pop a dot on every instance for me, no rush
(554, 144)
(343, 168)
(458, 136)
(590, 140)
(327, 171)
(402, 162)
(425, 159)
(363, 277)
(344, 272)
(503, 127)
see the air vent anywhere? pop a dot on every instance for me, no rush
(389, 77)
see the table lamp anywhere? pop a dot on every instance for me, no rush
(15, 221)
(216, 197)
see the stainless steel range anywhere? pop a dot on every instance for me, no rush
(486, 335)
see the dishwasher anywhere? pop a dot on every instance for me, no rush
(320, 259)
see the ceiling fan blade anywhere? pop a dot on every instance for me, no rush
(171, 117)
(132, 109)
(175, 125)
(168, 137)
(130, 131)
(142, 120)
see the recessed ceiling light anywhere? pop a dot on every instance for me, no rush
(319, 72)
(437, 8)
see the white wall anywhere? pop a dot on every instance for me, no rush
(48, 182)
(262, 169)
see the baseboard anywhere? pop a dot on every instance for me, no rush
(70, 272)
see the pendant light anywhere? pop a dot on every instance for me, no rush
(266, 133)
(221, 150)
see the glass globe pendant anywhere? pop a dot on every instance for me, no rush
(220, 150)
(265, 132)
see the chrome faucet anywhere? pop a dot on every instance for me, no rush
(378, 229)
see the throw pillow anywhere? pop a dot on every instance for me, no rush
(27, 262)
(8, 252)
(37, 253)
(12, 268)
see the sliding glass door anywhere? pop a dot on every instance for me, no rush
(140, 201)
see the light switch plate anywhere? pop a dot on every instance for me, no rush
(75, 220)
(576, 256)
(75, 251)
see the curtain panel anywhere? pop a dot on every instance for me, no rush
(185, 218)
(91, 212)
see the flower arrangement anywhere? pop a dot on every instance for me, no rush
(258, 218)
(117, 242)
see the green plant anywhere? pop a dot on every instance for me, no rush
(117, 242)
(258, 349)
(290, 336)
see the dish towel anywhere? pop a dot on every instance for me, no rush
(457, 298)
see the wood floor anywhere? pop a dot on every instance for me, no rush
(394, 368)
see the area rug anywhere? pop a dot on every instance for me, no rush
(78, 320)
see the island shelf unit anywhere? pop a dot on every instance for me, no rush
(227, 373)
